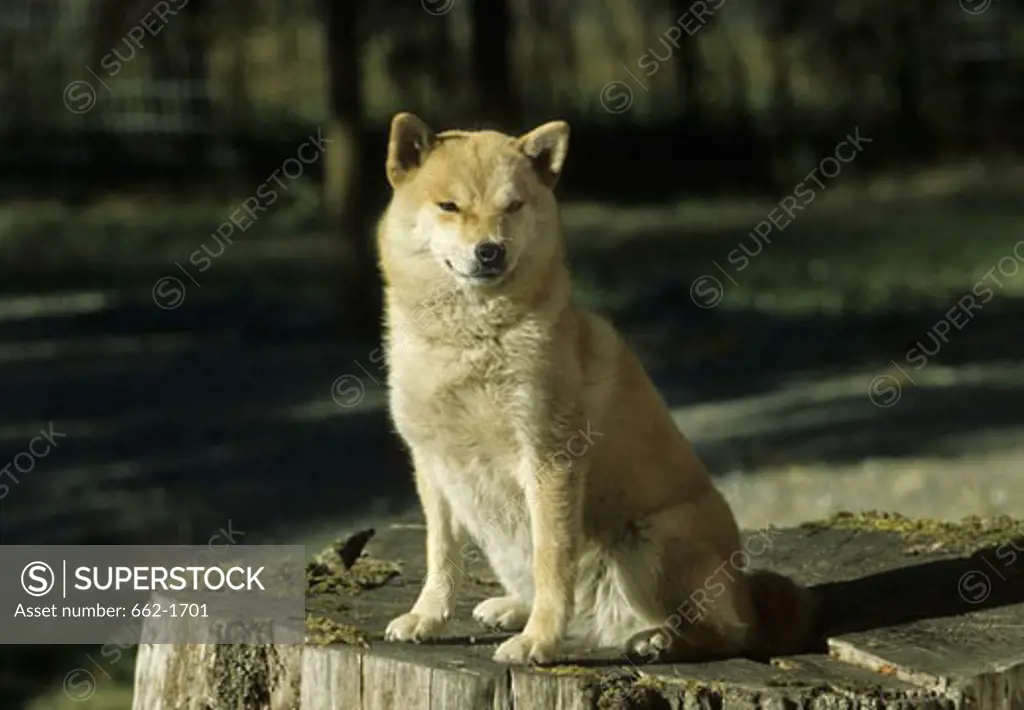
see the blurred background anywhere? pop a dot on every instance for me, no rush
(806, 217)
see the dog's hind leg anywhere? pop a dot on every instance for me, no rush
(691, 603)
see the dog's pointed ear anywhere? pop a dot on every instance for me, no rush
(546, 146)
(408, 144)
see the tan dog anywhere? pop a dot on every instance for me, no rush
(535, 431)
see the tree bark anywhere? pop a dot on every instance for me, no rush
(495, 96)
(344, 196)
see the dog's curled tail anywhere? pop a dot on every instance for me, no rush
(786, 614)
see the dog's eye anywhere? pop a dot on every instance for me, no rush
(448, 206)
(514, 206)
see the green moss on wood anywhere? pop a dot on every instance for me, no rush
(966, 536)
(233, 677)
(620, 689)
(327, 573)
(243, 675)
(323, 631)
(624, 688)
(329, 582)
(632, 697)
(627, 690)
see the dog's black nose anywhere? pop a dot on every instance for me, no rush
(491, 255)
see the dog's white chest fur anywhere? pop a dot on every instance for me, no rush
(490, 505)
(464, 435)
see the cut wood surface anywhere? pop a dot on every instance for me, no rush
(916, 614)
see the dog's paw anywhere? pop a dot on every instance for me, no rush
(648, 646)
(414, 627)
(502, 613)
(527, 649)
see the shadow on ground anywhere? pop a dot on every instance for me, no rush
(878, 600)
(839, 389)
(177, 421)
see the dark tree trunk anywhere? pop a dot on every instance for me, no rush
(912, 126)
(553, 53)
(183, 57)
(491, 62)
(344, 197)
(688, 70)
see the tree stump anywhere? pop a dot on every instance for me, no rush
(916, 614)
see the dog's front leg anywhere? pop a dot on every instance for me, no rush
(436, 601)
(554, 495)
